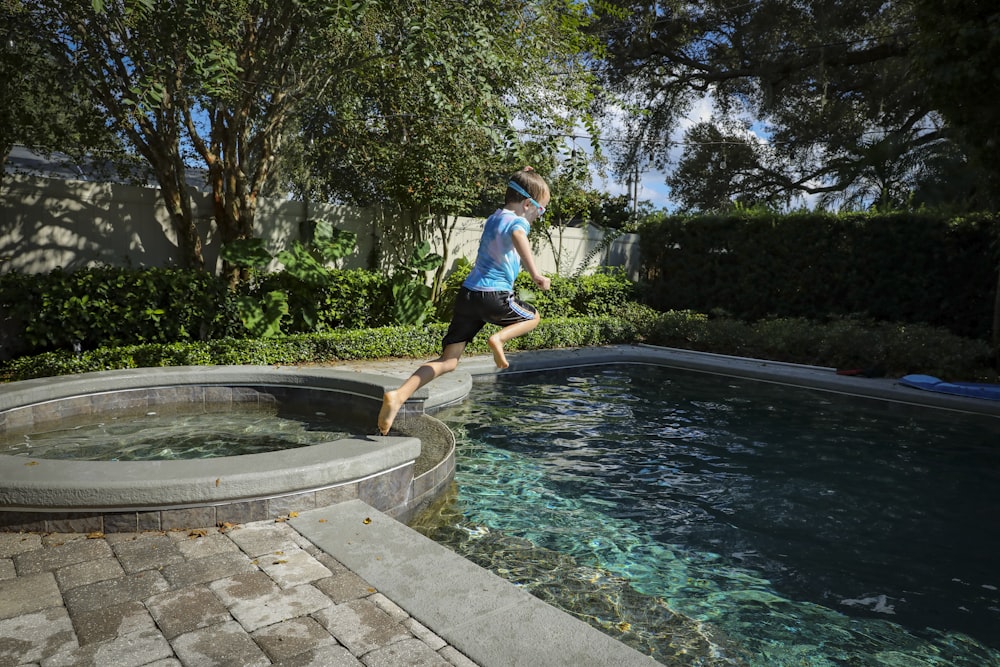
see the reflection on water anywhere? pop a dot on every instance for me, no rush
(706, 520)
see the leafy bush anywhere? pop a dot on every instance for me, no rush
(350, 299)
(896, 349)
(105, 306)
(603, 293)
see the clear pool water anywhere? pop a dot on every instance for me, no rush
(158, 437)
(708, 520)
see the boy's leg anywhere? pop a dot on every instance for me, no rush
(496, 341)
(393, 400)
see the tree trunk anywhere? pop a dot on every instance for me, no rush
(182, 222)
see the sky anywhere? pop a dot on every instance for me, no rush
(651, 182)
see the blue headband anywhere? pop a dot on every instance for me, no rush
(518, 189)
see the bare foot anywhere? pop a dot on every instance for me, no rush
(496, 346)
(390, 408)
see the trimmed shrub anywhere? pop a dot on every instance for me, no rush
(105, 306)
(899, 267)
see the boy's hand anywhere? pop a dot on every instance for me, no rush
(543, 282)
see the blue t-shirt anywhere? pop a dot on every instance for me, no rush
(497, 263)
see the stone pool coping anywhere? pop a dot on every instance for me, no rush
(106, 496)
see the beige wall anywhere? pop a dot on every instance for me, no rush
(48, 223)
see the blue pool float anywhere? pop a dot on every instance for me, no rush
(972, 389)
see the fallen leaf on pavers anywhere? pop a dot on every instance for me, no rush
(225, 525)
(96, 535)
(281, 519)
(372, 590)
(217, 480)
(367, 520)
(279, 553)
(279, 562)
(31, 463)
(292, 515)
(255, 561)
(322, 520)
(198, 532)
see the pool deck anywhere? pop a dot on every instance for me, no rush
(340, 585)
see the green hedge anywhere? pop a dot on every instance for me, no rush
(342, 345)
(895, 348)
(900, 267)
(107, 306)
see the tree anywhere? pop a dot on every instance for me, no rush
(424, 125)
(833, 88)
(721, 169)
(572, 202)
(43, 105)
(188, 83)
(957, 48)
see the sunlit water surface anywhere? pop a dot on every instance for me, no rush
(170, 437)
(707, 520)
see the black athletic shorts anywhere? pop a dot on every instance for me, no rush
(474, 309)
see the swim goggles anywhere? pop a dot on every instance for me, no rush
(518, 189)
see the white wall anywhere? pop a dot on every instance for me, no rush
(48, 223)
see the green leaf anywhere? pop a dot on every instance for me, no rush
(302, 265)
(263, 318)
(422, 259)
(250, 253)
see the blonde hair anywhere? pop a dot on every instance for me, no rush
(530, 180)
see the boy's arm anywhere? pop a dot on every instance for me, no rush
(523, 248)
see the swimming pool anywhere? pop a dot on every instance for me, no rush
(713, 520)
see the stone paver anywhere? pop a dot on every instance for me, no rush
(223, 644)
(127, 650)
(32, 637)
(293, 567)
(361, 626)
(187, 609)
(109, 622)
(138, 586)
(15, 543)
(47, 560)
(254, 594)
(410, 652)
(262, 538)
(325, 656)
(344, 586)
(149, 552)
(23, 595)
(285, 640)
(210, 568)
(280, 606)
(88, 572)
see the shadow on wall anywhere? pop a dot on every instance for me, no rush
(46, 223)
